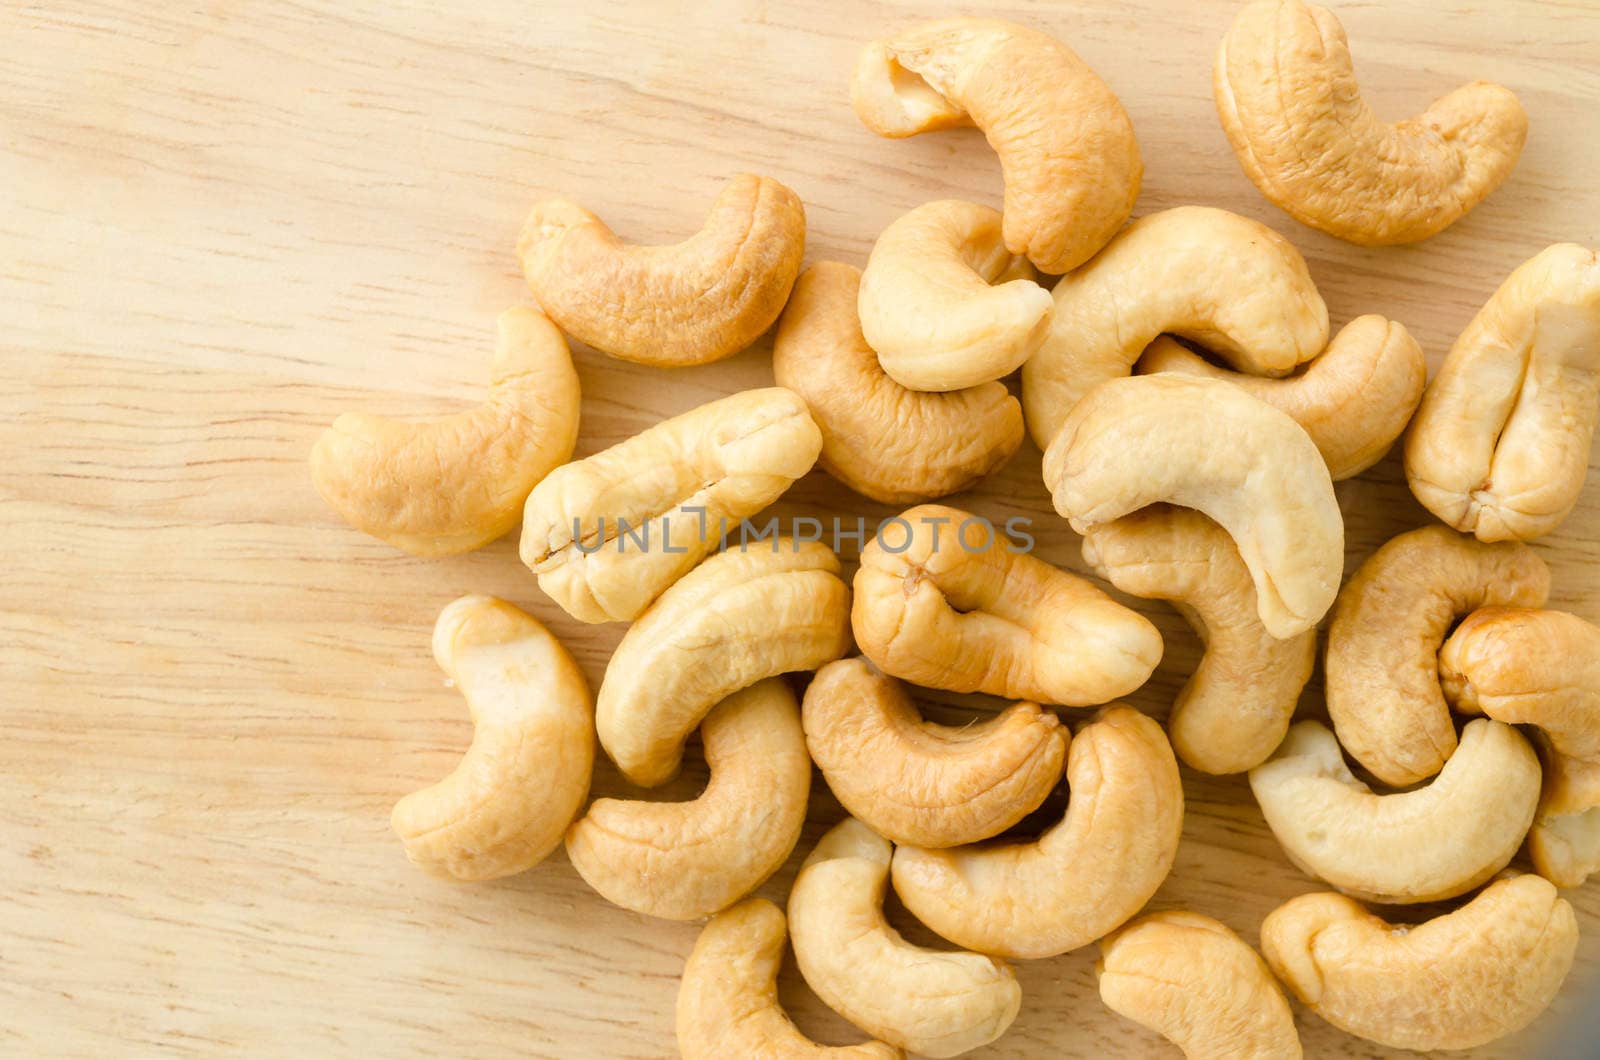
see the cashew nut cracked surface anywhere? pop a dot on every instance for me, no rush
(1066, 146)
(689, 303)
(450, 484)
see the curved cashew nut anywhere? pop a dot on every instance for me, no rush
(1083, 876)
(1564, 842)
(1354, 399)
(930, 1002)
(1500, 444)
(450, 484)
(955, 608)
(1199, 985)
(920, 783)
(1288, 99)
(728, 999)
(943, 302)
(894, 445)
(523, 780)
(1066, 146)
(1229, 283)
(690, 303)
(1382, 671)
(686, 860)
(1457, 981)
(1236, 706)
(1202, 444)
(737, 618)
(608, 533)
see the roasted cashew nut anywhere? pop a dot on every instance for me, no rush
(1564, 842)
(1288, 99)
(693, 302)
(450, 484)
(930, 1002)
(1066, 146)
(523, 780)
(687, 860)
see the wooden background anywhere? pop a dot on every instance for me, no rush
(227, 222)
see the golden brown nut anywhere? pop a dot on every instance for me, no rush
(1354, 399)
(931, 1002)
(920, 783)
(728, 1000)
(1231, 284)
(1288, 99)
(1066, 146)
(1236, 706)
(1565, 847)
(1458, 981)
(1500, 444)
(894, 445)
(1208, 445)
(689, 303)
(1084, 875)
(450, 484)
(1382, 671)
(1199, 985)
(686, 860)
(608, 533)
(942, 601)
(523, 780)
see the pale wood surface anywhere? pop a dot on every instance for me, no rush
(227, 222)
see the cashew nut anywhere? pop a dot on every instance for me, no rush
(1457, 981)
(894, 445)
(523, 780)
(1199, 985)
(1229, 283)
(1565, 847)
(450, 484)
(1066, 146)
(686, 860)
(1500, 444)
(608, 533)
(1208, 445)
(1082, 877)
(955, 608)
(1288, 99)
(740, 616)
(1382, 671)
(689, 303)
(921, 783)
(1236, 706)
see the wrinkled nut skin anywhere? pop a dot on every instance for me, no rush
(1500, 444)
(686, 860)
(1085, 875)
(920, 783)
(1207, 445)
(929, 1002)
(1455, 982)
(1423, 845)
(928, 308)
(454, 483)
(608, 533)
(739, 617)
(1197, 984)
(882, 440)
(728, 998)
(957, 609)
(1229, 283)
(1354, 399)
(689, 303)
(526, 774)
(1287, 95)
(1381, 671)
(1066, 147)
(1234, 709)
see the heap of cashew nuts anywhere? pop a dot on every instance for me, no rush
(1194, 413)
